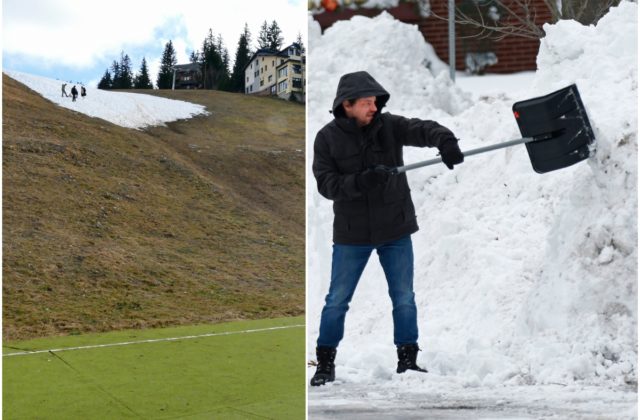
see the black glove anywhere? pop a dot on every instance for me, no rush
(450, 153)
(372, 177)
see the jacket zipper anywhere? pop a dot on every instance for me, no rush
(366, 145)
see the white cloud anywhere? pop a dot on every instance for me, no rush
(154, 69)
(77, 33)
(182, 50)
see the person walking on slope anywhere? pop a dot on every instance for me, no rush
(83, 92)
(74, 93)
(64, 90)
(373, 209)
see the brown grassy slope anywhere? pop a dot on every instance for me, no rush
(106, 227)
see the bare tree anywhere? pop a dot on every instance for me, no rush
(587, 12)
(497, 19)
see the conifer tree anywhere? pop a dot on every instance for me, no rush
(142, 80)
(243, 55)
(215, 65)
(223, 83)
(275, 36)
(126, 73)
(106, 82)
(300, 44)
(210, 61)
(263, 36)
(116, 81)
(165, 75)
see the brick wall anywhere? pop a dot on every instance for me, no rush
(514, 53)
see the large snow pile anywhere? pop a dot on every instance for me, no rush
(521, 278)
(394, 53)
(584, 303)
(129, 110)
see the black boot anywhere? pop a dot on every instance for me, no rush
(326, 370)
(407, 355)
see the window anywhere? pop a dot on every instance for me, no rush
(273, 63)
(297, 69)
(270, 77)
(296, 83)
(282, 86)
(261, 82)
(282, 72)
(273, 89)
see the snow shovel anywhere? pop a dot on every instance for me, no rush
(555, 129)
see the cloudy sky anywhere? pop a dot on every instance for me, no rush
(77, 40)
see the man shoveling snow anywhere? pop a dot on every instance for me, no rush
(373, 209)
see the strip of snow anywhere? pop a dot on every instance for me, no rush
(515, 86)
(130, 110)
(435, 397)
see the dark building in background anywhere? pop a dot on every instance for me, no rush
(187, 76)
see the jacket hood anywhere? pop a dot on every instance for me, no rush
(358, 85)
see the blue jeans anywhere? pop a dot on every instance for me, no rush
(348, 263)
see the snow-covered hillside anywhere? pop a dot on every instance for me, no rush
(129, 110)
(521, 278)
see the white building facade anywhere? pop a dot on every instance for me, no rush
(276, 73)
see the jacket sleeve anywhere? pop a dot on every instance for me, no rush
(420, 133)
(331, 183)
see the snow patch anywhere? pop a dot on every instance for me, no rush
(130, 110)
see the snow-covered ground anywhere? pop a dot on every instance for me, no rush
(131, 110)
(526, 284)
(514, 86)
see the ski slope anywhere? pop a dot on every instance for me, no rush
(130, 110)
(526, 284)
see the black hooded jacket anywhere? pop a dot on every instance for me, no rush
(342, 150)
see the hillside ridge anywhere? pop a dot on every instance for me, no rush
(108, 228)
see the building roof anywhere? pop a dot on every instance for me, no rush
(267, 51)
(260, 52)
(284, 50)
(187, 67)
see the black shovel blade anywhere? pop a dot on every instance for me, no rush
(561, 120)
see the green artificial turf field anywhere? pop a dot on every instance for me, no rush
(244, 370)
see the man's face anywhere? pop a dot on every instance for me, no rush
(363, 110)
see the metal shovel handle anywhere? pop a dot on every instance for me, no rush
(405, 168)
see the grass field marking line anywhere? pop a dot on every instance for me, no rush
(152, 340)
(96, 385)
